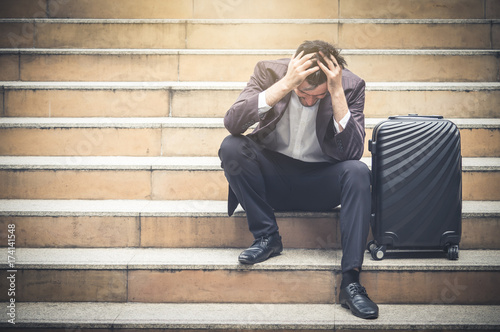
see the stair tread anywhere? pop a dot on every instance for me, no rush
(136, 25)
(105, 122)
(224, 258)
(169, 163)
(178, 122)
(181, 51)
(193, 208)
(249, 316)
(207, 85)
(253, 21)
(217, 315)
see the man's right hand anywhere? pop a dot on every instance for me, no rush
(298, 70)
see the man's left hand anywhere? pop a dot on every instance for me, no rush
(333, 73)
(334, 82)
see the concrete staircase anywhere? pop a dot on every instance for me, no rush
(111, 117)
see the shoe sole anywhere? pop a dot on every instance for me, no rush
(246, 262)
(344, 305)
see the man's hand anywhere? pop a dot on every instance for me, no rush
(334, 79)
(298, 70)
(333, 73)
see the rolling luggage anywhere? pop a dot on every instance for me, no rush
(416, 185)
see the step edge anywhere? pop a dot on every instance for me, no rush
(177, 208)
(286, 52)
(181, 122)
(469, 164)
(111, 122)
(266, 316)
(175, 259)
(249, 21)
(199, 85)
(172, 85)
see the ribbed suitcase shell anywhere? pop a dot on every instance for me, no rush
(417, 183)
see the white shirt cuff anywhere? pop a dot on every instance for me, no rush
(343, 121)
(263, 106)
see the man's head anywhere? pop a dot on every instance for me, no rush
(314, 87)
(317, 46)
(309, 95)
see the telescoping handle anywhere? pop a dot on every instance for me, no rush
(402, 117)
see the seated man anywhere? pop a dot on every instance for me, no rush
(303, 155)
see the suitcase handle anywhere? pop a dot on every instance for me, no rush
(416, 116)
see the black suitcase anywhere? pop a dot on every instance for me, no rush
(416, 185)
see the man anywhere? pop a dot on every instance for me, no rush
(303, 155)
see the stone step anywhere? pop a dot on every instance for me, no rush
(170, 136)
(165, 178)
(164, 136)
(249, 33)
(192, 224)
(32, 64)
(110, 317)
(183, 99)
(247, 9)
(207, 275)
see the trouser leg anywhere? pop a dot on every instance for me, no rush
(346, 183)
(354, 213)
(249, 171)
(264, 181)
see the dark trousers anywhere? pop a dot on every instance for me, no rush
(265, 181)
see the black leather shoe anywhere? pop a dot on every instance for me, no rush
(354, 297)
(262, 249)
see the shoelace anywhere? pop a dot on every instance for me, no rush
(261, 240)
(357, 289)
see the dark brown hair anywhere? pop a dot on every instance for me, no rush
(316, 46)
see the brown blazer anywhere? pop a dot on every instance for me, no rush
(347, 145)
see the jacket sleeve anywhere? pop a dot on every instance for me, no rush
(244, 112)
(349, 144)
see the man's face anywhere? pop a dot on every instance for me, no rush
(308, 95)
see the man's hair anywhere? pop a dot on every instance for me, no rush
(316, 46)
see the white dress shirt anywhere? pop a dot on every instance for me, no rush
(295, 133)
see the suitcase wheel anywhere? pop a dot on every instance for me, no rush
(452, 253)
(377, 252)
(371, 246)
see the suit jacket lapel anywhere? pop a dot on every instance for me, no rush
(324, 118)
